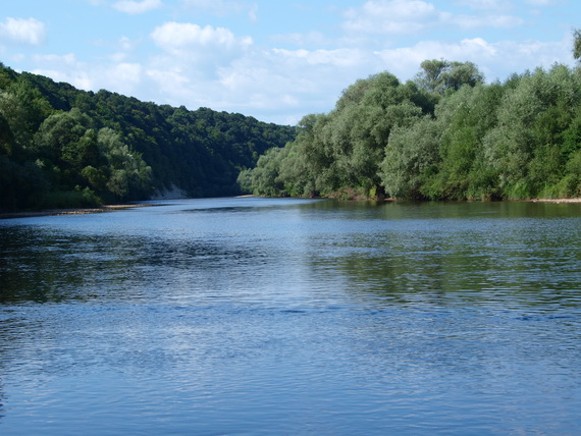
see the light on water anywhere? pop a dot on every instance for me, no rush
(257, 316)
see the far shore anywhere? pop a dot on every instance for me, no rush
(115, 207)
(555, 200)
(75, 211)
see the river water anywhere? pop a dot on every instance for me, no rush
(260, 316)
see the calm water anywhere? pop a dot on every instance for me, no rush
(259, 316)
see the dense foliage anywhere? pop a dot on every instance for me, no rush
(61, 147)
(445, 135)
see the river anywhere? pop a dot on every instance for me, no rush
(279, 316)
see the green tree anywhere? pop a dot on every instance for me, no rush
(466, 116)
(129, 175)
(440, 76)
(360, 126)
(24, 108)
(577, 44)
(59, 145)
(7, 140)
(411, 159)
(529, 148)
(266, 176)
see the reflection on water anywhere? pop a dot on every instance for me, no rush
(284, 316)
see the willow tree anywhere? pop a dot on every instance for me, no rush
(357, 131)
(577, 44)
(441, 76)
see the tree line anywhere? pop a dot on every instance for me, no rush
(62, 147)
(446, 135)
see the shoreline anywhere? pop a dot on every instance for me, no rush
(116, 207)
(73, 211)
(555, 200)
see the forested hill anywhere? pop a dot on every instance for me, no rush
(446, 135)
(62, 147)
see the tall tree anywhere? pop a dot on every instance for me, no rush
(441, 76)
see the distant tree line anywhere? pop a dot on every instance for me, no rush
(446, 135)
(62, 147)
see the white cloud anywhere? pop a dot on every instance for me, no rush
(134, 7)
(182, 63)
(496, 60)
(391, 16)
(288, 84)
(172, 35)
(68, 59)
(335, 58)
(409, 17)
(27, 31)
(126, 44)
(64, 68)
(495, 21)
(404, 62)
(172, 81)
(123, 77)
(125, 47)
(313, 38)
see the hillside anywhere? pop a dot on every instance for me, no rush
(63, 147)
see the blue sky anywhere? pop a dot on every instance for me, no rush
(274, 60)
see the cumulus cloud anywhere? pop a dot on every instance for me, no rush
(283, 77)
(393, 16)
(495, 21)
(512, 57)
(68, 59)
(313, 38)
(408, 17)
(187, 69)
(335, 58)
(172, 35)
(23, 30)
(65, 68)
(405, 61)
(134, 7)
(122, 77)
(288, 84)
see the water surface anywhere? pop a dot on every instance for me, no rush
(256, 316)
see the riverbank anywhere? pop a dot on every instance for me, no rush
(76, 211)
(556, 200)
(115, 207)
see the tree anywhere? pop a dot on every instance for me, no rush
(411, 159)
(55, 130)
(59, 145)
(6, 137)
(440, 76)
(265, 177)
(129, 175)
(530, 147)
(466, 116)
(577, 44)
(24, 108)
(360, 126)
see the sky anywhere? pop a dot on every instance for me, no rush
(275, 60)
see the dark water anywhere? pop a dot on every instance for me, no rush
(253, 316)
